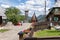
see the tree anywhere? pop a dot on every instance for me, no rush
(21, 17)
(12, 14)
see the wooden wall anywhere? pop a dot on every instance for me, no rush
(0, 20)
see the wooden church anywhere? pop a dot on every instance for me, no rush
(52, 18)
(34, 18)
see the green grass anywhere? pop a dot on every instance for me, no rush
(4, 30)
(47, 33)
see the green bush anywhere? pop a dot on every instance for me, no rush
(4, 30)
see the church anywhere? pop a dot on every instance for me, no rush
(34, 18)
(52, 18)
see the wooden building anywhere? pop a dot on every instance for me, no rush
(34, 18)
(54, 16)
(2, 16)
(0, 20)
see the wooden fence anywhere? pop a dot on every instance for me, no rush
(50, 38)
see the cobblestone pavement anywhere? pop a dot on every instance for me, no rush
(12, 34)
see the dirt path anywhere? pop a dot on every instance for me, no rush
(13, 33)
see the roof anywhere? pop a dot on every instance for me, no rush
(51, 10)
(34, 17)
(57, 5)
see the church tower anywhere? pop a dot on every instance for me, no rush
(34, 18)
(26, 15)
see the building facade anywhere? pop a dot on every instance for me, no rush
(2, 15)
(54, 14)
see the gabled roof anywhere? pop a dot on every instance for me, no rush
(51, 10)
(34, 17)
(57, 5)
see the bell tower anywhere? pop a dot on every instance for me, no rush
(26, 15)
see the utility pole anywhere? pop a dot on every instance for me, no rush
(45, 7)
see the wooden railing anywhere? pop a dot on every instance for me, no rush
(50, 38)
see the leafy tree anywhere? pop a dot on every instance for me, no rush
(21, 17)
(13, 15)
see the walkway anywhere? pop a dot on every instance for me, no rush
(13, 33)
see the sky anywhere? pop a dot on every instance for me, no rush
(34, 6)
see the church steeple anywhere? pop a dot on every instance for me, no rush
(34, 18)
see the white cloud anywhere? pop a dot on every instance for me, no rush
(5, 6)
(30, 2)
(39, 2)
(35, 5)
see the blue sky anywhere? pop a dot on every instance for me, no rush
(36, 6)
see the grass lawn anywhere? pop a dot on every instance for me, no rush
(4, 30)
(46, 33)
